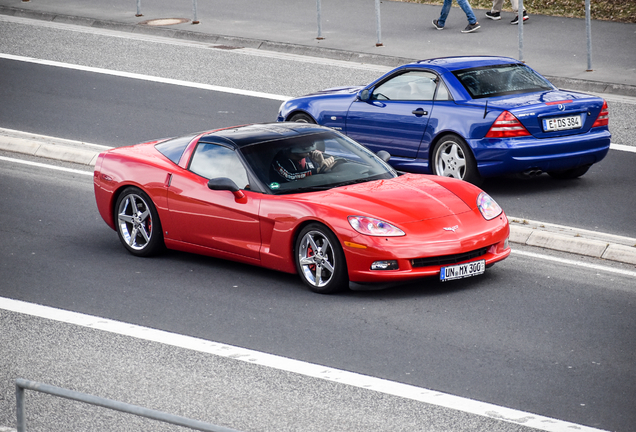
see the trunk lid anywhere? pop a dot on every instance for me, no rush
(552, 113)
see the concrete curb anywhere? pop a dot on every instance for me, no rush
(522, 231)
(579, 241)
(50, 148)
(288, 48)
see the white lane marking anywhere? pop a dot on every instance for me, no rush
(576, 263)
(622, 147)
(41, 165)
(295, 366)
(147, 77)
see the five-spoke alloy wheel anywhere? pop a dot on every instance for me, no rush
(320, 260)
(138, 223)
(453, 158)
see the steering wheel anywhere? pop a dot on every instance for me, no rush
(337, 161)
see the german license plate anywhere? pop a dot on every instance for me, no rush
(562, 123)
(460, 271)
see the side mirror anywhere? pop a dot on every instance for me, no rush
(224, 183)
(384, 155)
(364, 95)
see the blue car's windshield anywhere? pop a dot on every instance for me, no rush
(313, 162)
(501, 80)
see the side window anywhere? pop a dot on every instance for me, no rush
(212, 160)
(442, 92)
(413, 85)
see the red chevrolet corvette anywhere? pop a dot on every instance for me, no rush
(298, 198)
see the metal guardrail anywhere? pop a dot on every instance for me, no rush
(23, 384)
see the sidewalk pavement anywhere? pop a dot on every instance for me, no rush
(522, 231)
(555, 46)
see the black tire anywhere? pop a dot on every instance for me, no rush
(302, 118)
(320, 261)
(569, 174)
(138, 224)
(453, 158)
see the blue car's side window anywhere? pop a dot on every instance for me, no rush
(412, 85)
(442, 92)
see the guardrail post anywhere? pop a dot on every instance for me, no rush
(319, 18)
(520, 18)
(195, 19)
(20, 417)
(378, 25)
(588, 28)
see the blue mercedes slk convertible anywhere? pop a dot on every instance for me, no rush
(466, 117)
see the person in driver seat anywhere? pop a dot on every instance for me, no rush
(295, 163)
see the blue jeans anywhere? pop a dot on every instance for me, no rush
(462, 4)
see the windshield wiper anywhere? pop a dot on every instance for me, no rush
(304, 189)
(323, 187)
(351, 182)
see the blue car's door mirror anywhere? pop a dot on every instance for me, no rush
(364, 95)
(384, 155)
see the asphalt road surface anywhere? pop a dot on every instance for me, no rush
(539, 336)
(117, 111)
(534, 335)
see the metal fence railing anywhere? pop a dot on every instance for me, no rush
(23, 384)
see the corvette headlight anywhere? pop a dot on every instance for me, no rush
(374, 227)
(487, 206)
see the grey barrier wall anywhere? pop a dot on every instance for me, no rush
(22, 384)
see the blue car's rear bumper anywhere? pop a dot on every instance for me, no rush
(504, 156)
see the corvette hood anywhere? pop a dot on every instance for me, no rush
(409, 198)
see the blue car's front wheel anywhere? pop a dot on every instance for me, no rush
(453, 158)
(301, 118)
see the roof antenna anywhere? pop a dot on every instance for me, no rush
(486, 109)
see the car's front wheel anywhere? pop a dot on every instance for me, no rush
(138, 224)
(302, 118)
(453, 158)
(320, 260)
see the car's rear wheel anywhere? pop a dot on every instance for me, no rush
(138, 224)
(302, 118)
(569, 174)
(453, 158)
(320, 260)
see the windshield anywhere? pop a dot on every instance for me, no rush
(313, 162)
(501, 80)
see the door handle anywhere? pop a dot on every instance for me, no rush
(420, 112)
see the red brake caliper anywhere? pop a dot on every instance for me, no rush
(310, 252)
